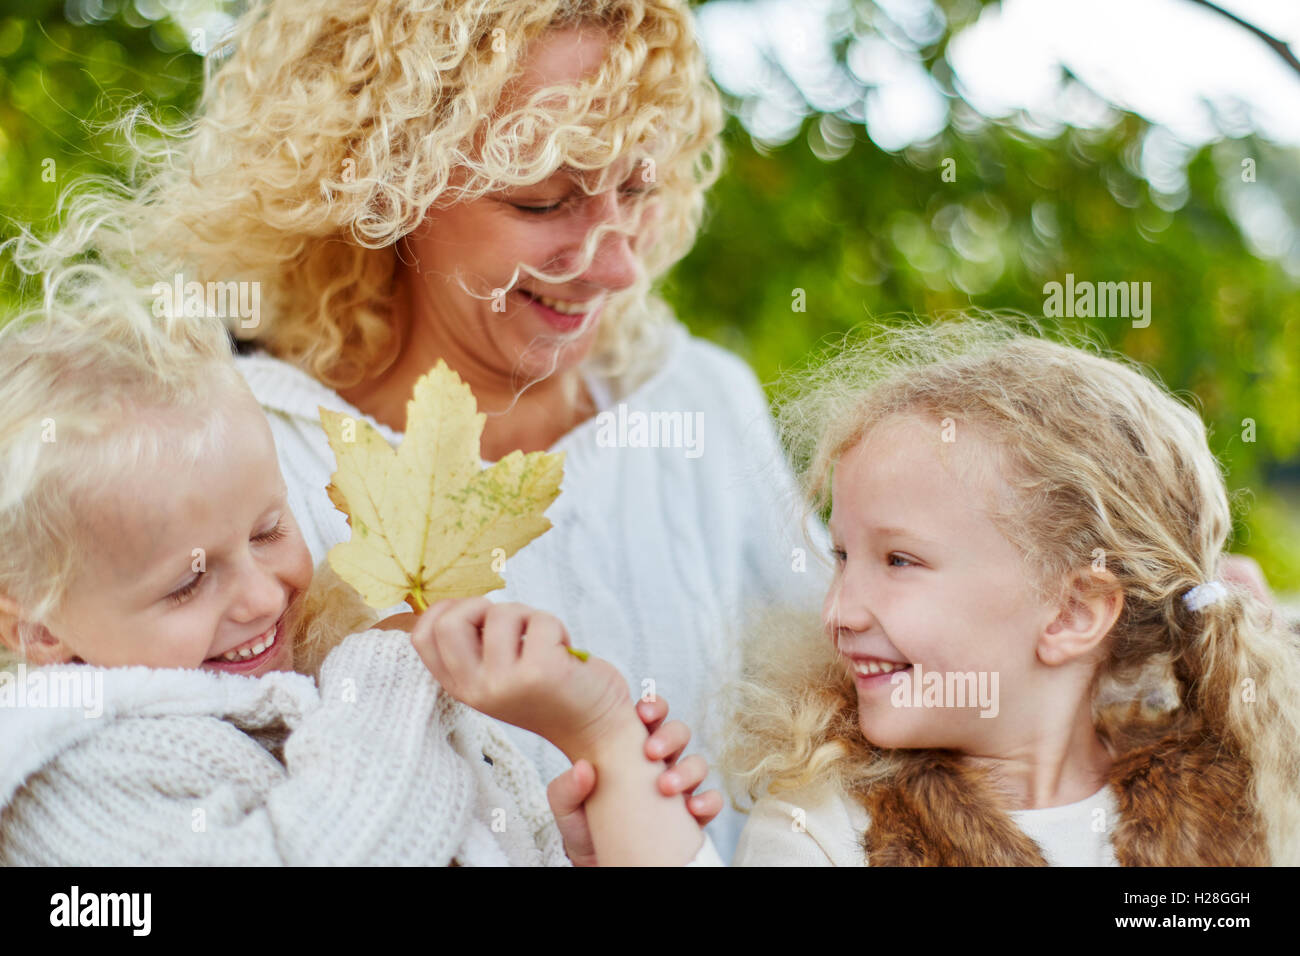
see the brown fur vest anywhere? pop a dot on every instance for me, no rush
(1183, 795)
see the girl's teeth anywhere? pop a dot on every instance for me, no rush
(247, 652)
(866, 668)
(568, 308)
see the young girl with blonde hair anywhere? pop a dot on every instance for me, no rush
(1026, 656)
(152, 561)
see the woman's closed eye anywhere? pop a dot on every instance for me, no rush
(539, 210)
(634, 190)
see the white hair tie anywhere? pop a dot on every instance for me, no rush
(1203, 595)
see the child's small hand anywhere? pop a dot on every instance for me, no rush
(569, 791)
(510, 661)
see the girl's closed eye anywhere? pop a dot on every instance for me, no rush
(275, 534)
(182, 593)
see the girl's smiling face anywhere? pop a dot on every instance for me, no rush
(189, 567)
(926, 581)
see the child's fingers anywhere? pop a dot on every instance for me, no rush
(684, 776)
(438, 608)
(570, 790)
(422, 639)
(566, 795)
(668, 741)
(705, 806)
(544, 634)
(503, 629)
(652, 713)
(455, 635)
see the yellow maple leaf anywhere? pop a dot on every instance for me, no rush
(428, 521)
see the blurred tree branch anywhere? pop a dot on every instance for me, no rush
(1278, 46)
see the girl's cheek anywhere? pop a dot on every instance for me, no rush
(830, 608)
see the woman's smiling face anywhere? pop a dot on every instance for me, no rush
(542, 226)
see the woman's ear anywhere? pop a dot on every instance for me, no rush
(1090, 604)
(32, 642)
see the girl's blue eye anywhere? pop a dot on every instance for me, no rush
(898, 557)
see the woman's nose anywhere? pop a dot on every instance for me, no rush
(614, 263)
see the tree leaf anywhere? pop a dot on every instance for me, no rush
(428, 521)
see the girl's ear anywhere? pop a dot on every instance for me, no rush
(32, 642)
(1091, 603)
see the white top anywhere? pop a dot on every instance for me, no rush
(656, 553)
(190, 767)
(823, 826)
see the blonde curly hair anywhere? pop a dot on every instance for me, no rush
(1101, 460)
(330, 128)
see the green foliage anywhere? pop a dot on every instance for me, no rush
(63, 84)
(872, 236)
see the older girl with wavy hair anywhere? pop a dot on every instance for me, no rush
(498, 184)
(1028, 655)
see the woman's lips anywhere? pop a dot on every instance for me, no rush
(560, 321)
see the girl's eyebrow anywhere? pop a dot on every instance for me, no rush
(888, 531)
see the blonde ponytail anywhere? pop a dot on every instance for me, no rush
(1240, 671)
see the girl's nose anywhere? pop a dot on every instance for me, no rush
(260, 598)
(846, 609)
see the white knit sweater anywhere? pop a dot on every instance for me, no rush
(656, 555)
(189, 767)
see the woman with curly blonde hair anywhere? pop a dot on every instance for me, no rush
(1028, 654)
(369, 186)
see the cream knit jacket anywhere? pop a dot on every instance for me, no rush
(186, 767)
(656, 555)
